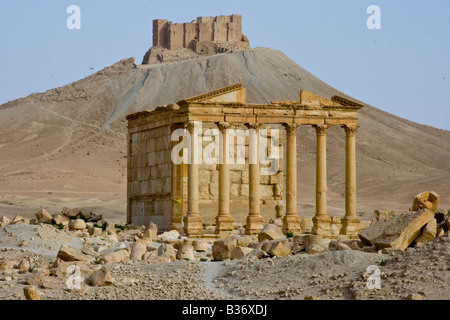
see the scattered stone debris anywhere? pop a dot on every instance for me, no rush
(116, 259)
(397, 229)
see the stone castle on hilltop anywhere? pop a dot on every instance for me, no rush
(203, 36)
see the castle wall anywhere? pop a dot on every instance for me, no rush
(160, 32)
(220, 31)
(204, 29)
(205, 32)
(190, 35)
(176, 36)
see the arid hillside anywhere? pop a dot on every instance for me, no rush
(67, 146)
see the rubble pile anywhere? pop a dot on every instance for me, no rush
(101, 246)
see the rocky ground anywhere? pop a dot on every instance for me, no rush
(134, 263)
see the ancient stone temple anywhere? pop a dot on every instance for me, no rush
(216, 159)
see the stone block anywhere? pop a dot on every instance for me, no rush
(203, 191)
(43, 216)
(245, 177)
(199, 245)
(59, 218)
(151, 145)
(222, 249)
(151, 232)
(235, 176)
(398, 232)
(336, 225)
(277, 178)
(160, 157)
(77, 224)
(426, 200)
(4, 221)
(278, 248)
(299, 243)
(186, 251)
(270, 232)
(428, 233)
(214, 189)
(31, 293)
(338, 245)
(101, 278)
(235, 190)
(116, 256)
(240, 252)
(244, 190)
(383, 215)
(151, 159)
(244, 241)
(143, 160)
(73, 213)
(204, 176)
(314, 244)
(169, 235)
(266, 191)
(264, 179)
(138, 250)
(167, 251)
(67, 253)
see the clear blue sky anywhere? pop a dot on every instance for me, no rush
(403, 68)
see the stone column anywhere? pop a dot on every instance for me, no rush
(193, 223)
(322, 223)
(350, 222)
(224, 220)
(255, 222)
(291, 221)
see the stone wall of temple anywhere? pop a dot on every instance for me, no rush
(158, 187)
(150, 176)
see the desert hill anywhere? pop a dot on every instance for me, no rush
(66, 146)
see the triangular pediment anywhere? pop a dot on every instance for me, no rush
(310, 99)
(234, 93)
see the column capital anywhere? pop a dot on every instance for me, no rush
(190, 126)
(290, 127)
(223, 125)
(321, 129)
(350, 129)
(253, 125)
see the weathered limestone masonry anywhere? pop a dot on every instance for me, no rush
(203, 30)
(205, 35)
(183, 195)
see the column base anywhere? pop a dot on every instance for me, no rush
(255, 223)
(193, 225)
(224, 225)
(322, 226)
(292, 223)
(351, 226)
